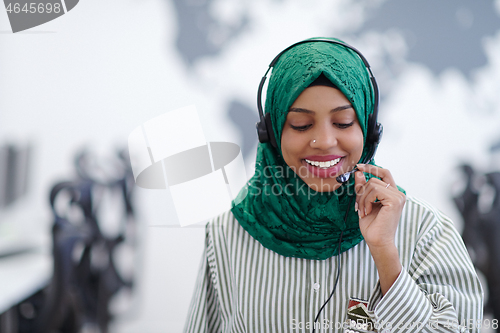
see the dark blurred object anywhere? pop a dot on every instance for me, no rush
(86, 271)
(14, 171)
(481, 230)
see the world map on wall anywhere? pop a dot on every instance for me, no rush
(438, 34)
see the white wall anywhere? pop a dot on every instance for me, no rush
(93, 75)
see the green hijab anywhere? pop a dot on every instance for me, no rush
(276, 207)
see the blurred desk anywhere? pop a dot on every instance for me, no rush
(22, 275)
(25, 252)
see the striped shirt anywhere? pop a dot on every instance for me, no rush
(245, 287)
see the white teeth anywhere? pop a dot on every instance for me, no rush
(326, 164)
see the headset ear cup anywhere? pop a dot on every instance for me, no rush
(373, 138)
(379, 130)
(262, 131)
(270, 131)
(375, 130)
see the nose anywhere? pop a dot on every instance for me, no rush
(324, 137)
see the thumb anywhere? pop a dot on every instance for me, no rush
(359, 180)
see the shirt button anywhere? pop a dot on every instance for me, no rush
(316, 286)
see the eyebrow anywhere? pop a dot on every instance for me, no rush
(337, 109)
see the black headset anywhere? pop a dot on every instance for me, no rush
(374, 130)
(373, 133)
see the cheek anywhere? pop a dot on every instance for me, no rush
(290, 146)
(355, 142)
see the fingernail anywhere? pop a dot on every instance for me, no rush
(359, 214)
(365, 211)
(356, 206)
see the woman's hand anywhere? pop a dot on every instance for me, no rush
(379, 220)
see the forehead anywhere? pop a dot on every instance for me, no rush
(321, 97)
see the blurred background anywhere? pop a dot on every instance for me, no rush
(72, 90)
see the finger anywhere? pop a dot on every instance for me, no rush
(374, 189)
(359, 182)
(373, 193)
(384, 174)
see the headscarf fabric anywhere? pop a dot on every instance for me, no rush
(276, 207)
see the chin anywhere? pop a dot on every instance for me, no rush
(324, 186)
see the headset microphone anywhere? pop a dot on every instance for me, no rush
(345, 177)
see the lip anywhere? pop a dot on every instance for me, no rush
(322, 158)
(321, 172)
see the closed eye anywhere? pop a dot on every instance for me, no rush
(343, 126)
(300, 128)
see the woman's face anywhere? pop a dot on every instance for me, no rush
(321, 138)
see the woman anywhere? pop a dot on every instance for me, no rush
(301, 251)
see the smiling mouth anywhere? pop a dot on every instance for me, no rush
(325, 164)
